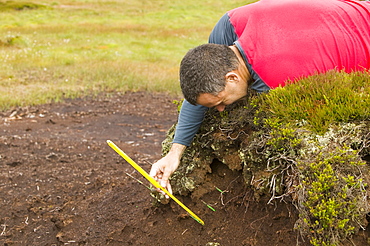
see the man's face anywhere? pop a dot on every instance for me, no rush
(231, 93)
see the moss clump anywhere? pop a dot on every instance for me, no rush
(19, 5)
(321, 100)
(13, 41)
(319, 142)
(220, 137)
(303, 143)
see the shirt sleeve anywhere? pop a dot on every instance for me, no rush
(190, 119)
(223, 32)
(191, 116)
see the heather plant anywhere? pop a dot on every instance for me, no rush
(321, 100)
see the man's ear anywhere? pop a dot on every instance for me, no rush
(232, 77)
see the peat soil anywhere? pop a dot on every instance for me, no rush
(61, 184)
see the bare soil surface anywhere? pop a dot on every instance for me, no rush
(61, 184)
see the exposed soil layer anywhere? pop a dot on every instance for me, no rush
(61, 184)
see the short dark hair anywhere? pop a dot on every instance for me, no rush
(203, 70)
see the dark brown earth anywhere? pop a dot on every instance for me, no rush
(61, 184)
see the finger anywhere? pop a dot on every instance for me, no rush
(165, 178)
(169, 188)
(164, 182)
(153, 171)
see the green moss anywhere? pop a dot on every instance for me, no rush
(282, 136)
(19, 5)
(178, 103)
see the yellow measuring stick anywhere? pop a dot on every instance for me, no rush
(152, 180)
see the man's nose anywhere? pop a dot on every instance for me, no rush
(220, 108)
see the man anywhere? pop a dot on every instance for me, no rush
(263, 45)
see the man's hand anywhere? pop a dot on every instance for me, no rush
(163, 169)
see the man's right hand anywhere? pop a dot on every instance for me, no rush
(165, 167)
